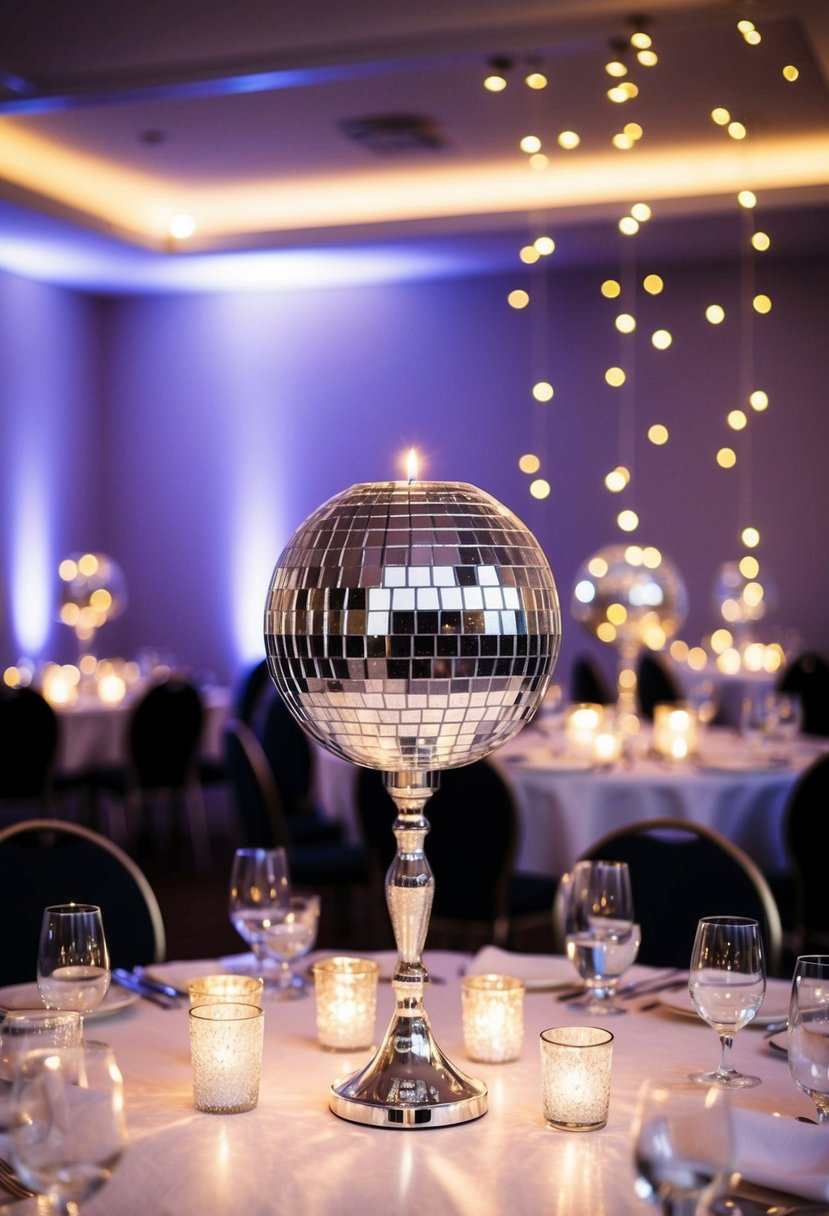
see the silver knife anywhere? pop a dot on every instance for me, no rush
(135, 984)
(159, 985)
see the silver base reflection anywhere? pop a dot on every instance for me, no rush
(409, 1083)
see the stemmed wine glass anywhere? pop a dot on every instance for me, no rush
(73, 970)
(808, 1034)
(260, 888)
(727, 984)
(290, 935)
(682, 1146)
(601, 939)
(68, 1129)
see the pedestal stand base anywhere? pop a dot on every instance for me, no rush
(409, 1083)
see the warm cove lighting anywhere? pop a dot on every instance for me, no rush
(133, 203)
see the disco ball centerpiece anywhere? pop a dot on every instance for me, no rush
(630, 597)
(411, 627)
(93, 590)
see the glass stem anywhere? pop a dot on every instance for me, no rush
(726, 1043)
(822, 1108)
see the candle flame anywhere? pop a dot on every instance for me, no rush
(411, 465)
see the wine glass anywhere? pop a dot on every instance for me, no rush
(808, 1032)
(73, 969)
(601, 939)
(68, 1129)
(727, 984)
(757, 720)
(290, 934)
(786, 721)
(260, 887)
(682, 1145)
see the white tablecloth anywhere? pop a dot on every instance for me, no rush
(562, 812)
(93, 735)
(291, 1155)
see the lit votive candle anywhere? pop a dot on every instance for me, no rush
(575, 1077)
(493, 1017)
(583, 723)
(675, 731)
(235, 989)
(226, 1054)
(346, 995)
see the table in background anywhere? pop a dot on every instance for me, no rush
(565, 810)
(291, 1155)
(94, 735)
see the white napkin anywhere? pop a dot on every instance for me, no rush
(781, 1153)
(536, 970)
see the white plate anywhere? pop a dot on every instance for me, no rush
(775, 1007)
(555, 764)
(741, 764)
(27, 996)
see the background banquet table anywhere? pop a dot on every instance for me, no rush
(292, 1155)
(564, 807)
(94, 735)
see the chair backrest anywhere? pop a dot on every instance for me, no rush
(681, 871)
(290, 756)
(50, 861)
(165, 734)
(588, 682)
(808, 676)
(472, 843)
(28, 742)
(806, 835)
(255, 794)
(654, 684)
(253, 696)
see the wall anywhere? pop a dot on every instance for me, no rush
(52, 487)
(189, 435)
(232, 417)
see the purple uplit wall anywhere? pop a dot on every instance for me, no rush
(51, 438)
(227, 418)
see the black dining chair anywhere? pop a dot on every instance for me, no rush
(681, 871)
(51, 861)
(253, 695)
(806, 836)
(161, 773)
(335, 866)
(28, 746)
(292, 762)
(479, 896)
(655, 685)
(588, 683)
(807, 676)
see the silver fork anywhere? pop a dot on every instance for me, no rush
(10, 1182)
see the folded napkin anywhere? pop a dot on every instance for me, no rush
(781, 1153)
(536, 970)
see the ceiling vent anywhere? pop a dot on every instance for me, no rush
(394, 134)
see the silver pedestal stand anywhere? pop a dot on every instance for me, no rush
(409, 1082)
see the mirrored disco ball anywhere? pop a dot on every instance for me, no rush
(740, 599)
(630, 595)
(412, 625)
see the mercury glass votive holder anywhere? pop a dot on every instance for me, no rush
(493, 1017)
(675, 731)
(575, 1077)
(233, 989)
(346, 994)
(226, 1054)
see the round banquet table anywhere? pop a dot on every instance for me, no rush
(291, 1155)
(94, 735)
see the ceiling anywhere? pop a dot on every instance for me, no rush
(117, 121)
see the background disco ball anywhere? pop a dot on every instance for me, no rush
(740, 600)
(412, 626)
(93, 590)
(630, 596)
